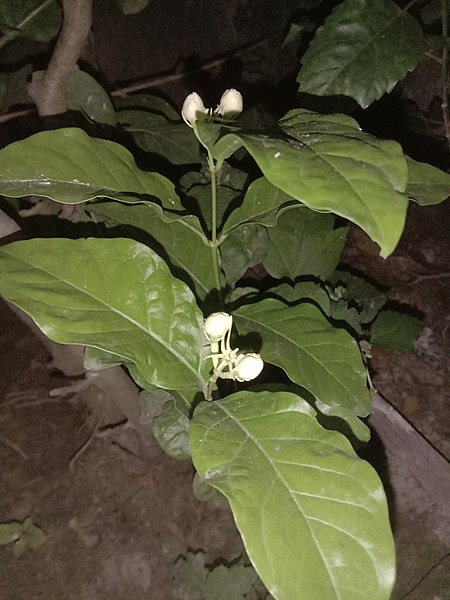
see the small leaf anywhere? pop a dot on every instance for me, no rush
(312, 514)
(395, 330)
(368, 298)
(113, 294)
(189, 577)
(362, 50)
(260, 205)
(316, 355)
(84, 93)
(35, 19)
(131, 7)
(244, 247)
(23, 536)
(171, 430)
(231, 582)
(304, 242)
(426, 184)
(69, 166)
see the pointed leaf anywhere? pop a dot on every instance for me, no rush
(304, 242)
(260, 205)
(113, 294)
(313, 516)
(330, 165)
(322, 358)
(363, 49)
(171, 430)
(69, 166)
(426, 184)
(181, 238)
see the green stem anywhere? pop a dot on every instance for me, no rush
(214, 246)
(10, 36)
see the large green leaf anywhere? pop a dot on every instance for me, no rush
(157, 127)
(329, 164)
(313, 516)
(69, 166)
(113, 294)
(181, 239)
(39, 20)
(363, 49)
(426, 184)
(322, 358)
(304, 242)
(260, 205)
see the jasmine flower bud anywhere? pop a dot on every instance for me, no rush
(217, 325)
(230, 104)
(192, 109)
(248, 367)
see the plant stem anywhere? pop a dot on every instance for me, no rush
(214, 247)
(444, 69)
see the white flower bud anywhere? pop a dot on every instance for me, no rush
(248, 367)
(217, 325)
(230, 104)
(193, 108)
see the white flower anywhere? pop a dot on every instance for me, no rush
(230, 104)
(193, 108)
(248, 367)
(217, 325)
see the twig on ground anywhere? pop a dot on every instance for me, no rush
(444, 69)
(14, 447)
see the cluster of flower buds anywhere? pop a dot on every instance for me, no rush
(230, 106)
(228, 364)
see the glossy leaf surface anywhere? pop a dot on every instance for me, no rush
(304, 242)
(84, 93)
(171, 429)
(313, 516)
(69, 166)
(329, 164)
(182, 241)
(113, 294)
(299, 339)
(362, 50)
(244, 247)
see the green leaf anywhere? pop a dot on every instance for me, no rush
(329, 164)
(260, 205)
(181, 239)
(131, 7)
(313, 516)
(368, 298)
(306, 291)
(23, 536)
(189, 576)
(362, 50)
(157, 127)
(230, 582)
(97, 360)
(395, 330)
(39, 20)
(244, 247)
(304, 242)
(70, 167)
(113, 294)
(84, 93)
(321, 358)
(171, 429)
(426, 184)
